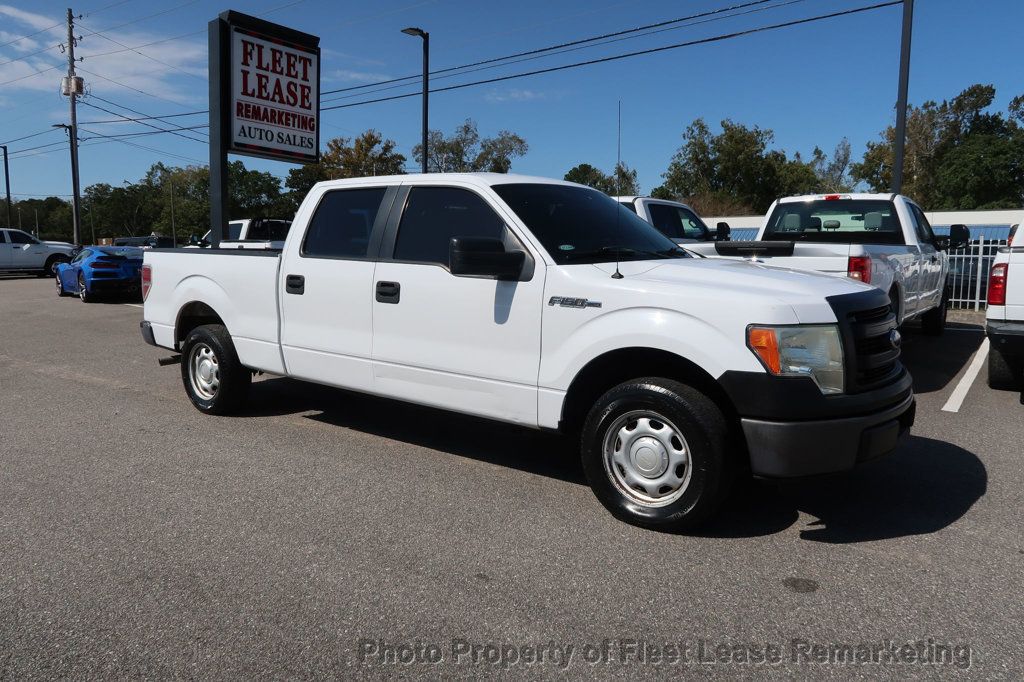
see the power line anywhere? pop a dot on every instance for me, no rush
(151, 149)
(31, 35)
(145, 118)
(559, 46)
(143, 54)
(148, 132)
(134, 111)
(690, 23)
(702, 41)
(149, 125)
(29, 75)
(150, 16)
(41, 132)
(129, 87)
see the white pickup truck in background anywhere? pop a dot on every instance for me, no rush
(675, 220)
(21, 252)
(883, 240)
(267, 233)
(674, 372)
(1004, 317)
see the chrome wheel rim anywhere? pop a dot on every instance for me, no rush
(647, 458)
(203, 371)
(60, 289)
(82, 291)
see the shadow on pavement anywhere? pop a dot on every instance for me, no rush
(922, 488)
(935, 361)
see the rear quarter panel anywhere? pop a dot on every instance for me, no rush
(240, 286)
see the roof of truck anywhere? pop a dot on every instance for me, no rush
(485, 179)
(888, 196)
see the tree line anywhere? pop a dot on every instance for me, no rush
(960, 154)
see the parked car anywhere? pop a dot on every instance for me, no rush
(1004, 318)
(269, 232)
(883, 240)
(434, 289)
(675, 220)
(21, 252)
(98, 270)
(151, 242)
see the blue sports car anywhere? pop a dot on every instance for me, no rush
(99, 270)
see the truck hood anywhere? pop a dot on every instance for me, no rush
(729, 282)
(66, 245)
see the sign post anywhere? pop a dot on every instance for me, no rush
(264, 100)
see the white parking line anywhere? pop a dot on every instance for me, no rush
(133, 305)
(956, 399)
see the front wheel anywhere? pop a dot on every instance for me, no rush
(656, 454)
(215, 381)
(934, 321)
(50, 269)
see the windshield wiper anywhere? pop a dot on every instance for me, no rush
(619, 251)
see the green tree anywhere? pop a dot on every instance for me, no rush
(622, 182)
(465, 152)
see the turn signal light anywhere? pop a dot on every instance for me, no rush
(859, 268)
(997, 285)
(147, 280)
(765, 343)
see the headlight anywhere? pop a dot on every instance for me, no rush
(808, 350)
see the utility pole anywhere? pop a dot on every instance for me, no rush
(901, 99)
(413, 31)
(7, 181)
(36, 211)
(72, 90)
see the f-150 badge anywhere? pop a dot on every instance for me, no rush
(566, 302)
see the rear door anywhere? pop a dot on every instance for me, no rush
(327, 288)
(470, 344)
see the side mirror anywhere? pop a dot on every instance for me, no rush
(722, 232)
(480, 257)
(959, 237)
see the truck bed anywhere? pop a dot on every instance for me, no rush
(241, 285)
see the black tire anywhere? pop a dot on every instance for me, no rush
(50, 268)
(706, 438)
(83, 291)
(233, 379)
(1003, 372)
(933, 322)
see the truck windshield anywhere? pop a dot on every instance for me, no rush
(835, 221)
(581, 225)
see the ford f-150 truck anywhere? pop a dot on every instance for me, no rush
(547, 304)
(880, 239)
(1004, 318)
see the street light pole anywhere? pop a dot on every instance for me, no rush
(901, 99)
(7, 181)
(412, 31)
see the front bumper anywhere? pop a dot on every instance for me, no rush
(1006, 337)
(807, 448)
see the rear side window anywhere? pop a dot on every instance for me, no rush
(270, 230)
(433, 215)
(341, 226)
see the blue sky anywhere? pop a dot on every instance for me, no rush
(811, 84)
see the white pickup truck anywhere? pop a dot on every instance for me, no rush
(21, 252)
(1004, 318)
(249, 233)
(675, 220)
(547, 304)
(880, 239)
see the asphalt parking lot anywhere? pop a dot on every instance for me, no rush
(328, 534)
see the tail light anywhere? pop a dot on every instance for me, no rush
(859, 268)
(997, 285)
(147, 280)
(103, 265)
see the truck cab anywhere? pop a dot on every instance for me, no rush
(675, 220)
(21, 252)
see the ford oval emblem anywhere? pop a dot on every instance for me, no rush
(895, 338)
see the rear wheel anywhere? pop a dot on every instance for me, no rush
(60, 285)
(215, 381)
(83, 291)
(1003, 372)
(655, 452)
(934, 321)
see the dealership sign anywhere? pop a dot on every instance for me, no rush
(273, 73)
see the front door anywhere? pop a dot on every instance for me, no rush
(930, 284)
(26, 252)
(327, 289)
(470, 344)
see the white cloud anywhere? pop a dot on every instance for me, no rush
(352, 76)
(514, 95)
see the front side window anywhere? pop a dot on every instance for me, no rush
(341, 226)
(20, 238)
(835, 221)
(676, 222)
(433, 215)
(582, 225)
(921, 224)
